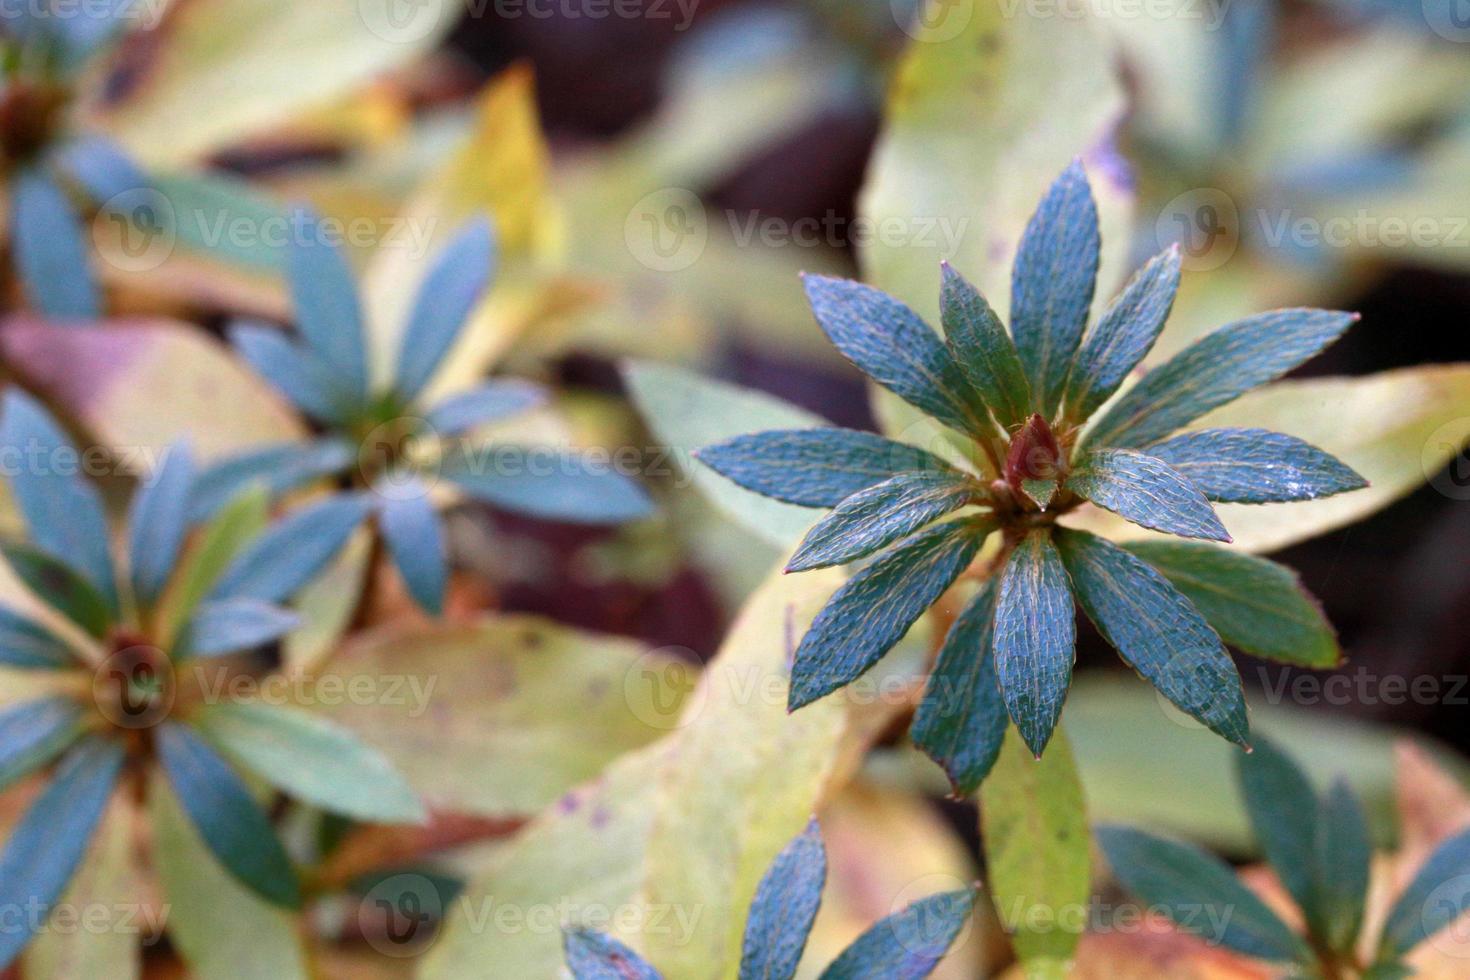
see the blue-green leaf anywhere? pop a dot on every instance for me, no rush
(227, 817)
(893, 346)
(158, 521)
(815, 467)
(961, 723)
(297, 371)
(1052, 283)
(784, 908)
(1438, 896)
(225, 626)
(100, 166)
(1035, 638)
(415, 540)
(878, 516)
(1254, 604)
(1199, 892)
(490, 402)
(1147, 492)
(324, 291)
(448, 295)
(35, 732)
(1157, 631)
(279, 467)
(592, 955)
(62, 509)
(312, 759)
(293, 550)
(1217, 369)
(1124, 335)
(876, 607)
(1344, 861)
(1282, 807)
(983, 349)
(1255, 466)
(85, 28)
(50, 249)
(59, 587)
(907, 945)
(552, 484)
(48, 844)
(29, 645)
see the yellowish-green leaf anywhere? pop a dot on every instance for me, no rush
(206, 558)
(326, 606)
(1034, 821)
(220, 927)
(1398, 429)
(226, 69)
(503, 715)
(142, 384)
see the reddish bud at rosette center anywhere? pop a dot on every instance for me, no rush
(1034, 454)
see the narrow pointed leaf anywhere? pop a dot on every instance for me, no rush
(1344, 856)
(983, 349)
(1035, 637)
(292, 551)
(312, 759)
(962, 720)
(1124, 335)
(1255, 466)
(29, 645)
(59, 587)
(220, 807)
(490, 402)
(218, 544)
(876, 607)
(35, 732)
(415, 538)
(550, 484)
(784, 908)
(878, 516)
(1037, 850)
(890, 344)
(48, 844)
(51, 249)
(448, 295)
(279, 467)
(1052, 283)
(1157, 631)
(100, 166)
(1255, 604)
(1282, 807)
(593, 955)
(226, 626)
(1217, 369)
(1147, 492)
(1438, 896)
(297, 371)
(158, 521)
(907, 945)
(62, 509)
(324, 291)
(1199, 892)
(815, 467)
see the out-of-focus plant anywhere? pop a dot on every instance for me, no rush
(130, 652)
(907, 945)
(57, 172)
(1319, 848)
(380, 439)
(1027, 398)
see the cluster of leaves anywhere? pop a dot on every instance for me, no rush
(1319, 847)
(380, 439)
(57, 178)
(906, 945)
(1037, 404)
(119, 644)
